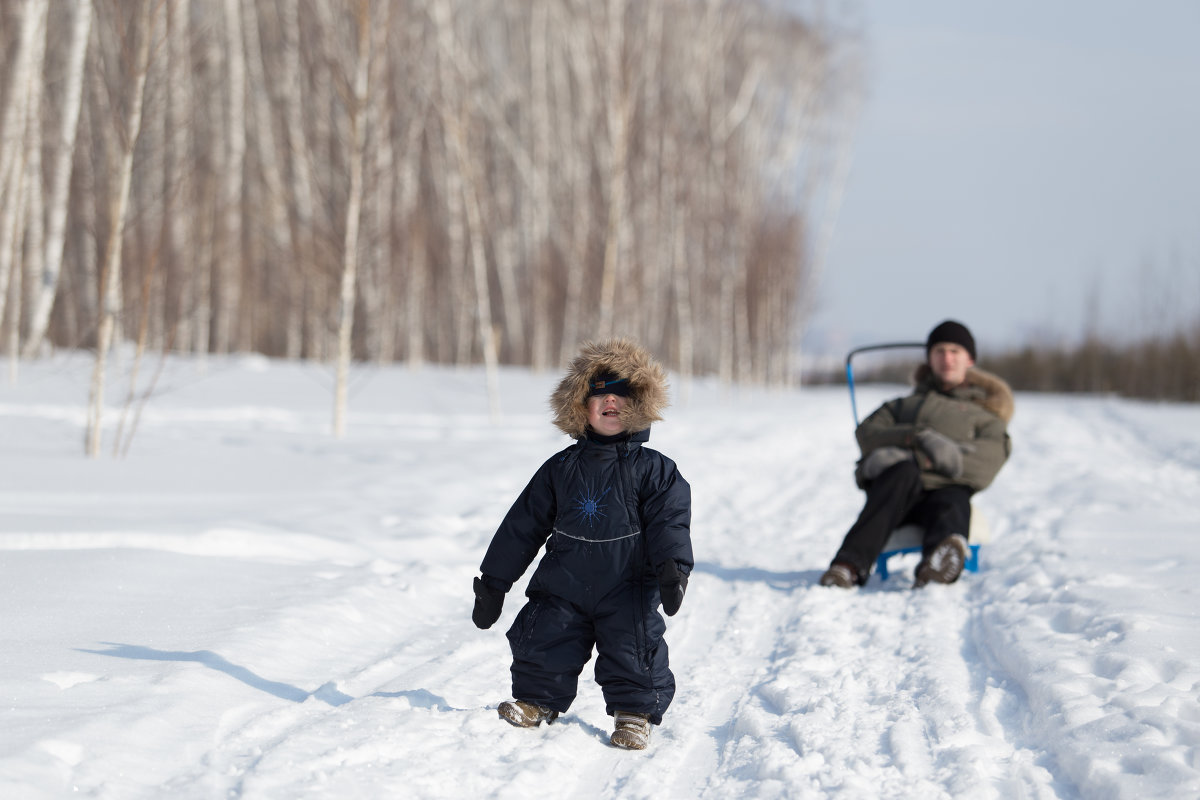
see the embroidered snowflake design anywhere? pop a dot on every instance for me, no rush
(590, 507)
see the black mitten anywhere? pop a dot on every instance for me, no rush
(488, 602)
(671, 585)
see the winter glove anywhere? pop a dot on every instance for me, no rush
(883, 458)
(671, 585)
(488, 602)
(945, 454)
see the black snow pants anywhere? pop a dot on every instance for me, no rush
(552, 640)
(896, 498)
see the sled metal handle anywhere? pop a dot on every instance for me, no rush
(850, 366)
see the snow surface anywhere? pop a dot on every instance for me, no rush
(247, 607)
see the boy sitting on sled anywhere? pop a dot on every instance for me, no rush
(923, 456)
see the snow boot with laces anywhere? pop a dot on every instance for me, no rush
(526, 715)
(945, 563)
(840, 574)
(632, 730)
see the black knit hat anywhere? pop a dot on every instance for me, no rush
(954, 333)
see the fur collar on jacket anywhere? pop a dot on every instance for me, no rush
(647, 384)
(982, 387)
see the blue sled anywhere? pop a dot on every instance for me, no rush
(907, 539)
(881, 563)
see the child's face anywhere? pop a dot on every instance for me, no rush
(604, 414)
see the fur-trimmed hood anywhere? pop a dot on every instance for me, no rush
(626, 359)
(990, 391)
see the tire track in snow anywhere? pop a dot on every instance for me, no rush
(868, 693)
(1064, 669)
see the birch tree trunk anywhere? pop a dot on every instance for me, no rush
(24, 87)
(300, 180)
(229, 248)
(110, 271)
(652, 250)
(577, 118)
(505, 235)
(24, 68)
(416, 261)
(280, 247)
(207, 228)
(44, 292)
(178, 182)
(35, 240)
(10, 229)
(358, 107)
(379, 311)
(483, 297)
(33, 263)
(683, 307)
(14, 324)
(454, 121)
(538, 215)
(77, 306)
(415, 295)
(619, 118)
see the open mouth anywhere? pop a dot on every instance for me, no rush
(610, 412)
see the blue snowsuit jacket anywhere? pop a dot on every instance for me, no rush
(607, 512)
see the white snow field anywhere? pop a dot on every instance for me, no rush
(247, 607)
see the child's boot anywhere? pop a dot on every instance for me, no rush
(526, 715)
(633, 730)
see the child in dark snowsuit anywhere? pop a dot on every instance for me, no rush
(614, 517)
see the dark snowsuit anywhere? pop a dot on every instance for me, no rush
(608, 511)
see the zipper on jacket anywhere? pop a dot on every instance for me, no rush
(641, 608)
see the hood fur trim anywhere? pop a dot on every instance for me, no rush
(623, 357)
(988, 390)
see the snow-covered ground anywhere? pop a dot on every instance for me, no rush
(247, 607)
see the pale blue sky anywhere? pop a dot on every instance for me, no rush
(1016, 163)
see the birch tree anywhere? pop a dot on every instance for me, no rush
(416, 258)
(29, 209)
(280, 249)
(521, 176)
(537, 217)
(379, 314)
(110, 271)
(357, 103)
(300, 179)
(178, 182)
(29, 216)
(47, 287)
(454, 120)
(232, 182)
(579, 115)
(619, 113)
(23, 70)
(20, 109)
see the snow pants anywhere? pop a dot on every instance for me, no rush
(897, 498)
(552, 639)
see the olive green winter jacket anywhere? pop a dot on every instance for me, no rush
(974, 414)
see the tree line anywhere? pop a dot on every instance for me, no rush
(1160, 368)
(420, 180)
(1163, 366)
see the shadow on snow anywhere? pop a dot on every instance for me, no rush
(327, 693)
(777, 580)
